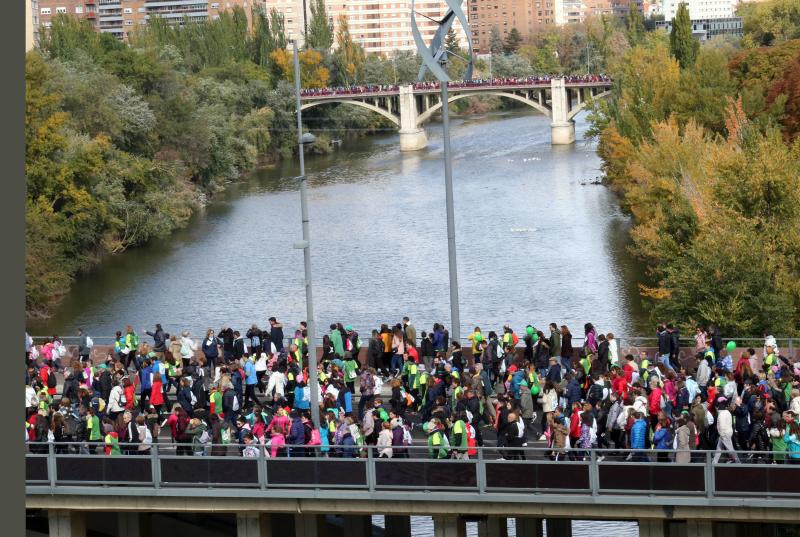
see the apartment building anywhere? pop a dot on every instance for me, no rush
(527, 16)
(701, 9)
(381, 27)
(120, 17)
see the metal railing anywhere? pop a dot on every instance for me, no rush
(511, 472)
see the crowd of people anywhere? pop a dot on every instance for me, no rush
(247, 393)
(491, 82)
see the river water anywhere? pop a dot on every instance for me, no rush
(535, 243)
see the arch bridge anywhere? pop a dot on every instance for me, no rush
(409, 107)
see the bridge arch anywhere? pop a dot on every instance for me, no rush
(577, 110)
(426, 115)
(377, 109)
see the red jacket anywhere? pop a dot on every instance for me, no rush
(575, 424)
(620, 386)
(655, 401)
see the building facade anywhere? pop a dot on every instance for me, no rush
(381, 27)
(527, 16)
(706, 29)
(701, 9)
(120, 17)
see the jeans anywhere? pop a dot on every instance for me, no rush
(397, 362)
(664, 359)
(566, 364)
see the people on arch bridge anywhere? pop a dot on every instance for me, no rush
(543, 80)
(246, 393)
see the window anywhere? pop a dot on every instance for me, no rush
(127, 10)
(61, 10)
(45, 11)
(129, 22)
(78, 9)
(215, 5)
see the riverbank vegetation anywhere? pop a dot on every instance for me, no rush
(703, 144)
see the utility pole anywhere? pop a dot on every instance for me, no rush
(455, 316)
(313, 378)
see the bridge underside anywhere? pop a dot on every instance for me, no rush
(603, 507)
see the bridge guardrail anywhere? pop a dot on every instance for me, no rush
(598, 472)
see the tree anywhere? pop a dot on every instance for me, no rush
(682, 44)
(320, 29)
(496, 45)
(451, 42)
(349, 56)
(278, 29)
(635, 24)
(513, 41)
(313, 74)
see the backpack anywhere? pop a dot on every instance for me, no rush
(225, 434)
(204, 437)
(89, 342)
(235, 404)
(514, 338)
(315, 438)
(51, 380)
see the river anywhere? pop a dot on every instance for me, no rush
(535, 243)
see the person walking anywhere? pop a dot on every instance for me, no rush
(725, 430)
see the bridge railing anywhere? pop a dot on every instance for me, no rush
(491, 470)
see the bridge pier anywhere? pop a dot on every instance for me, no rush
(562, 128)
(562, 133)
(529, 527)
(494, 526)
(651, 528)
(253, 525)
(449, 526)
(67, 523)
(412, 137)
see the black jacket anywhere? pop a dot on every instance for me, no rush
(374, 352)
(674, 341)
(276, 336)
(105, 385)
(663, 342)
(159, 340)
(199, 391)
(211, 347)
(185, 400)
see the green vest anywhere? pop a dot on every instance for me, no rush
(459, 427)
(436, 448)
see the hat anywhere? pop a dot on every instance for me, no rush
(512, 369)
(553, 359)
(349, 327)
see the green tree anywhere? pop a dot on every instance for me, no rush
(496, 45)
(769, 23)
(682, 43)
(349, 56)
(278, 27)
(512, 42)
(320, 29)
(451, 42)
(634, 24)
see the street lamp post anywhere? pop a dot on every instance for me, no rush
(302, 140)
(455, 315)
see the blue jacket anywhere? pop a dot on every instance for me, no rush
(663, 439)
(346, 400)
(299, 402)
(297, 433)
(573, 392)
(516, 379)
(144, 377)
(250, 373)
(438, 341)
(638, 434)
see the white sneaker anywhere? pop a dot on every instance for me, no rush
(600, 458)
(543, 437)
